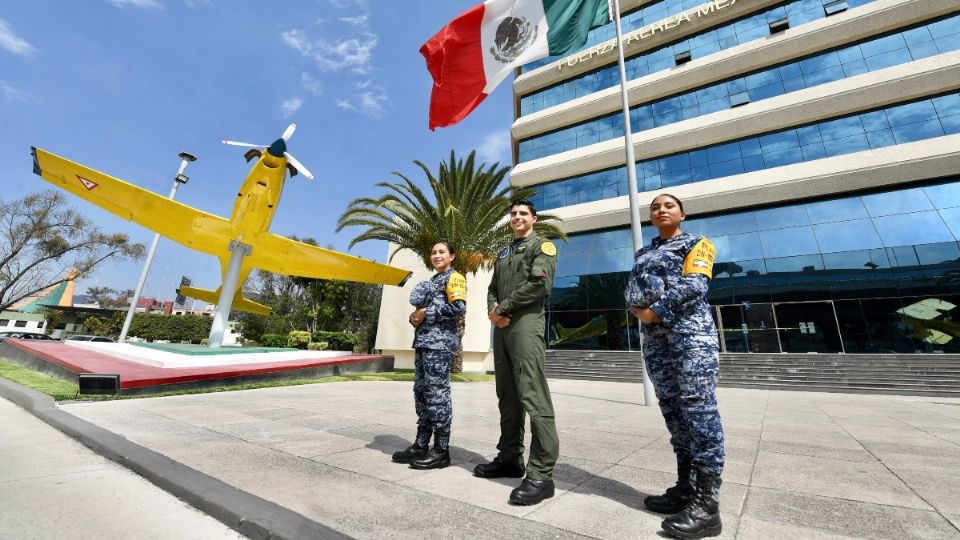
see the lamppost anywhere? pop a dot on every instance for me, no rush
(185, 158)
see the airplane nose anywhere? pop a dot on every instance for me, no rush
(278, 148)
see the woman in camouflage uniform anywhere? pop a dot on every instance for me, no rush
(667, 291)
(439, 303)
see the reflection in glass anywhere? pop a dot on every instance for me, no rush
(790, 241)
(802, 263)
(942, 253)
(778, 218)
(910, 229)
(863, 275)
(896, 202)
(847, 236)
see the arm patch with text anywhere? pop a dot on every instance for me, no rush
(700, 259)
(457, 288)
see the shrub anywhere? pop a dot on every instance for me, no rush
(273, 340)
(298, 338)
(336, 341)
(170, 328)
(318, 346)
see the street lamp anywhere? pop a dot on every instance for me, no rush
(180, 178)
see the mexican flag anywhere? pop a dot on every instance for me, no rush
(471, 55)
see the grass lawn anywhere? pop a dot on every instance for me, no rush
(61, 390)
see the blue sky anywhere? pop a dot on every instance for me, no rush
(124, 85)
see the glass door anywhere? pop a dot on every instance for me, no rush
(808, 327)
(747, 327)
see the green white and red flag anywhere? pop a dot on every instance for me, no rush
(472, 54)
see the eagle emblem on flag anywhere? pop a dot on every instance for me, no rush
(514, 34)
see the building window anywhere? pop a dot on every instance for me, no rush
(681, 58)
(20, 324)
(779, 25)
(884, 251)
(738, 99)
(895, 124)
(832, 8)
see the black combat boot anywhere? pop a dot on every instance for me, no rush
(532, 491)
(498, 469)
(415, 450)
(438, 457)
(701, 517)
(677, 496)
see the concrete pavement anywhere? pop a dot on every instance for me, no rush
(800, 464)
(51, 486)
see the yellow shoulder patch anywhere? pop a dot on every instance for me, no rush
(548, 249)
(700, 259)
(457, 288)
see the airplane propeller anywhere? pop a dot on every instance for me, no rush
(287, 133)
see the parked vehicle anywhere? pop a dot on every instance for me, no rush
(98, 339)
(24, 335)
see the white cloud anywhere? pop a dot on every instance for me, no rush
(311, 83)
(370, 99)
(290, 106)
(353, 54)
(12, 93)
(341, 4)
(142, 4)
(495, 148)
(359, 20)
(13, 42)
(298, 40)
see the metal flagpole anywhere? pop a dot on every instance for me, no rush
(648, 392)
(177, 180)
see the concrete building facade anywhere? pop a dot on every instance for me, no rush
(817, 142)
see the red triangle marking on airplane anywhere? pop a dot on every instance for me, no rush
(87, 183)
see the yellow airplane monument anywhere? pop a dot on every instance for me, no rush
(242, 242)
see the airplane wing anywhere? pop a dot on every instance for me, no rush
(281, 255)
(183, 224)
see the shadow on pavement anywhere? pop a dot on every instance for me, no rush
(583, 481)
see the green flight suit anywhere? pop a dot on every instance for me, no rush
(522, 278)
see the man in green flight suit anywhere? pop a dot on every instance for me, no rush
(521, 283)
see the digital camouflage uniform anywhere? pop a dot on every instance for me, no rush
(435, 341)
(522, 278)
(682, 351)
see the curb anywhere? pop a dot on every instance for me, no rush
(241, 511)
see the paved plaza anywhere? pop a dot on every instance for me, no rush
(799, 464)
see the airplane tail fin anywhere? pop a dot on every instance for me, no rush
(239, 302)
(561, 331)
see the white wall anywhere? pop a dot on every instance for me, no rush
(395, 335)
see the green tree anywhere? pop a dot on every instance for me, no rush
(103, 296)
(42, 242)
(467, 206)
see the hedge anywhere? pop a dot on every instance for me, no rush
(336, 341)
(172, 328)
(273, 340)
(298, 338)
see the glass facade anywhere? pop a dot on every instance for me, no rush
(699, 45)
(880, 52)
(896, 124)
(876, 272)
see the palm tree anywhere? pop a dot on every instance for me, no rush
(467, 209)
